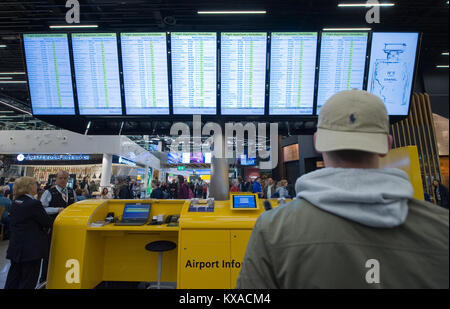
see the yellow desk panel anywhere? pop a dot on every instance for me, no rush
(201, 256)
(239, 240)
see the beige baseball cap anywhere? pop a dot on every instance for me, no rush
(353, 120)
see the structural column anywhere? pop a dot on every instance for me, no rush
(106, 171)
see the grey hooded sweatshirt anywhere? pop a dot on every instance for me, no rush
(349, 228)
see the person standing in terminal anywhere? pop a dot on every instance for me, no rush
(257, 187)
(282, 189)
(54, 201)
(157, 193)
(59, 196)
(441, 193)
(5, 208)
(122, 189)
(353, 224)
(269, 188)
(183, 189)
(235, 186)
(29, 241)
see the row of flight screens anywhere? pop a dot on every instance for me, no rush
(181, 78)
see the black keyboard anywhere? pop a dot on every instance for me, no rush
(130, 223)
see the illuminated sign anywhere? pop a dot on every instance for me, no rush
(53, 157)
(123, 160)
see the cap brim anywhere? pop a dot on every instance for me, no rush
(328, 140)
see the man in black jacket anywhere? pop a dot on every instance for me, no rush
(29, 240)
(156, 190)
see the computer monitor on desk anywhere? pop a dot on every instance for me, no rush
(244, 202)
(135, 214)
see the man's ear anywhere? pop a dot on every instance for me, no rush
(390, 141)
(314, 141)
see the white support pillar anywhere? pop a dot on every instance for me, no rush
(106, 171)
(145, 180)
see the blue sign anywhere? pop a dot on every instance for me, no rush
(123, 160)
(53, 157)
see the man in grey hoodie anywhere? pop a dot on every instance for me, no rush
(353, 224)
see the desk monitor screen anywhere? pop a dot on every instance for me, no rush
(244, 201)
(136, 211)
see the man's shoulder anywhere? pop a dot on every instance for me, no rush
(427, 213)
(286, 214)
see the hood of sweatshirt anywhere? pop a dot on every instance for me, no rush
(372, 197)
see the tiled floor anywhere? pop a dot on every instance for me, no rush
(4, 263)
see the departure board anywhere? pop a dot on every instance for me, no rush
(194, 72)
(49, 74)
(97, 73)
(144, 63)
(292, 73)
(391, 69)
(342, 63)
(243, 73)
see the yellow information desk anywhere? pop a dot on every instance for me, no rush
(209, 252)
(210, 243)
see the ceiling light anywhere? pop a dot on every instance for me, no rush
(72, 26)
(231, 12)
(13, 82)
(347, 29)
(364, 4)
(2, 46)
(11, 73)
(444, 54)
(5, 77)
(442, 66)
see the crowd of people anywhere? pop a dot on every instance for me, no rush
(179, 188)
(265, 187)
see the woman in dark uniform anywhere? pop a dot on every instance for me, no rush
(29, 239)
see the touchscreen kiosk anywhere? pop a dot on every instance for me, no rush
(244, 202)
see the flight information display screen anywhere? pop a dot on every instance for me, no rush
(144, 63)
(194, 72)
(49, 74)
(342, 63)
(391, 69)
(243, 73)
(292, 73)
(97, 73)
